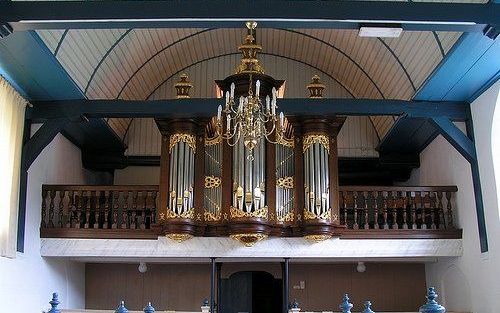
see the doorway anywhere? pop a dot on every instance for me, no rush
(251, 292)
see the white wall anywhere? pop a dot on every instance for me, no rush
(468, 283)
(138, 175)
(27, 282)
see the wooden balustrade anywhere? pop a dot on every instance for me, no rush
(71, 211)
(109, 211)
(377, 209)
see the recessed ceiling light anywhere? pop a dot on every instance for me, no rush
(367, 31)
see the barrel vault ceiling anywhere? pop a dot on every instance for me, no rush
(144, 64)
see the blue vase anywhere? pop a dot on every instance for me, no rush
(432, 306)
(346, 306)
(54, 303)
(368, 307)
(149, 308)
(121, 308)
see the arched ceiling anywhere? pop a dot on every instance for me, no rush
(137, 63)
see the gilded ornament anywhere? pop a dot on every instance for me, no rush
(237, 213)
(214, 140)
(212, 182)
(317, 238)
(162, 216)
(179, 237)
(190, 140)
(282, 140)
(286, 218)
(189, 214)
(248, 239)
(312, 139)
(327, 215)
(212, 217)
(316, 88)
(285, 182)
(183, 86)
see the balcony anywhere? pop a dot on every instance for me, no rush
(130, 212)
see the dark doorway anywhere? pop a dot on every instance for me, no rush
(251, 292)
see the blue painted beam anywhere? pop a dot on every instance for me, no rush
(24, 15)
(470, 67)
(463, 144)
(27, 63)
(196, 107)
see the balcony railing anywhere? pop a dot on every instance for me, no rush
(377, 211)
(98, 211)
(367, 212)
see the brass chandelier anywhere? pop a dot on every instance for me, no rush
(250, 118)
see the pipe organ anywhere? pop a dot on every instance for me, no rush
(236, 176)
(304, 180)
(285, 171)
(212, 193)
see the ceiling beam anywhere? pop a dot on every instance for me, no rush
(30, 15)
(195, 108)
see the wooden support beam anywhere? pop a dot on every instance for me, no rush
(463, 144)
(41, 139)
(25, 15)
(194, 108)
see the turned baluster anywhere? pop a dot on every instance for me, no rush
(43, 222)
(97, 208)
(413, 208)
(79, 207)
(62, 194)
(395, 210)
(344, 199)
(153, 208)
(432, 203)
(355, 206)
(376, 195)
(52, 195)
(440, 209)
(125, 210)
(107, 197)
(405, 211)
(365, 196)
(449, 211)
(144, 195)
(71, 209)
(385, 195)
(134, 210)
(423, 210)
(87, 209)
(116, 195)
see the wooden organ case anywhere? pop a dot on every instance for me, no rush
(285, 186)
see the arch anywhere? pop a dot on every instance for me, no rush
(60, 42)
(357, 65)
(237, 53)
(104, 58)
(156, 54)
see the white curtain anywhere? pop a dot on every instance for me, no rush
(12, 107)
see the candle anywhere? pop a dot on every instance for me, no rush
(273, 107)
(282, 119)
(267, 104)
(257, 88)
(240, 108)
(227, 97)
(232, 90)
(219, 113)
